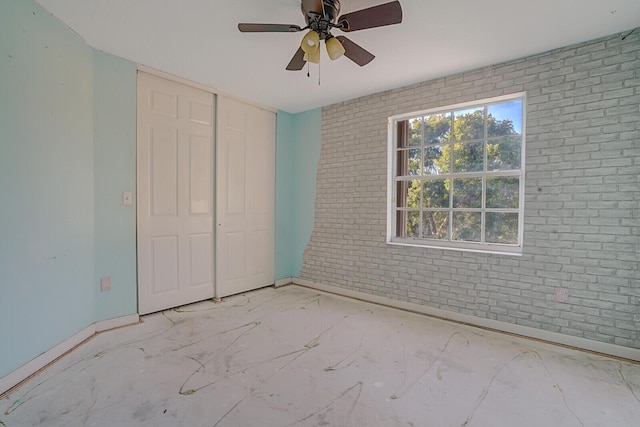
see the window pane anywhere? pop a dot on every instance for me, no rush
(468, 124)
(435, 194)
(501, 228)
(466, 226)
(503, 192)
(504, 153)
(413, 195)
(467, 193)
(408, 194)
(413, 224)
(415, 132)
(435, 225)
(468, 157)
(414, 166)
(504, 118)
(436, 160)
(437, 128)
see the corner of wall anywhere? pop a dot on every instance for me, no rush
(285, 142)
(297, 156)
(308, 137)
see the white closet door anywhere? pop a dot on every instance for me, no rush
(174, 194)
(245, 197)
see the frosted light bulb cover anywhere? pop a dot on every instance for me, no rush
(334, 48)
(310, 42)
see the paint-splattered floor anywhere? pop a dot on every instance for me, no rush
(293, 357)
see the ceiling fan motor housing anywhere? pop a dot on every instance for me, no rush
(322, 22)
(331, 10)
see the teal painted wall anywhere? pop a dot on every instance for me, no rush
(46, 236)
(297, 155)
(114, 160)
(284, 235)
(58, 120)
(307, 132)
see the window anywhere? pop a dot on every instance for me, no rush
(457, 176)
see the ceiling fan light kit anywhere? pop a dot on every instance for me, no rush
(321, 17)
(310, 42)
(312, 56)
(334, 48)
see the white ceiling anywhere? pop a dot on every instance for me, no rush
(198, 40)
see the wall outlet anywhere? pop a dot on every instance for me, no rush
(105, 284)
(562, 295)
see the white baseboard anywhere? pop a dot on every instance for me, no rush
(25, 371)
(283, 282)
(526, 331)
(118, 322)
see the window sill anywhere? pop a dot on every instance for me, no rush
(490, 251)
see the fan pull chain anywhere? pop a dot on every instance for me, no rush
(309, 72)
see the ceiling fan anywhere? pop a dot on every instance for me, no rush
(321, 17)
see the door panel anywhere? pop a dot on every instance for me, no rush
(164, 172)
(235, 245)
(164, 104)
(200, 246)
(245, 202)
(200, 179)
(260, 244)
(175, 194)
(235, 180)
(164, 257)
(200, 113)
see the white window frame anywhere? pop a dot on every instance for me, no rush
(483, 247)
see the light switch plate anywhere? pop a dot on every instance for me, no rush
(126, 198)
(562, 295)
(105, 284)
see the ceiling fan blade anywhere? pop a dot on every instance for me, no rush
(297, 62)
(315, 6)
(372, 17)
(268, 28)
(354, 52)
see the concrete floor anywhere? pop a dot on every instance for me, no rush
(294, 357)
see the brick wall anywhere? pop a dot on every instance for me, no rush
(581, 203)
